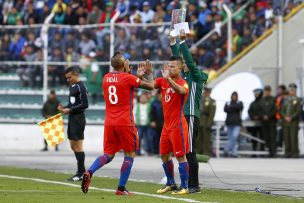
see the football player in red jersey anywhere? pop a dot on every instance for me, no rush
(120, 132)
(174, 136)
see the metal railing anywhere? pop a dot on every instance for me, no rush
(218, 125)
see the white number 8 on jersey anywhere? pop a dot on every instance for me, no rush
(112, 95)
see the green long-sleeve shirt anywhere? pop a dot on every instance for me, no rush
(195, 78)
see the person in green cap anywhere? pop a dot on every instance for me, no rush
(94, 78)
(291, 111)
(196, 80)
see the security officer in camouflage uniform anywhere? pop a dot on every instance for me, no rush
(291, 111)
(268, 110)
(207, 111)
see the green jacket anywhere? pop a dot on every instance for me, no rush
(268, 108)
(94, 84)
(50, 108)
(207, 111)
(195, 78)
(139, 111)
(292, 107)
(254, 110)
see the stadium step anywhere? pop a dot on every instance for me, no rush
(12, 81)
(23, 104)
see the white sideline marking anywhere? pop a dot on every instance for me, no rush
(100, 189)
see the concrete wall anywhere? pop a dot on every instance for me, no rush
(28, 137)
(263, 58)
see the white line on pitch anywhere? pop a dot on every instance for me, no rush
(25, 191)
(101, 189)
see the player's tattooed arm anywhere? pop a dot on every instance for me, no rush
(127, 68)
(144, 70)
(176, 87)
(145, 84)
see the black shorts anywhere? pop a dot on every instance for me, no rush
(76, 126)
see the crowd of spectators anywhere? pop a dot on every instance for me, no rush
(71, 44)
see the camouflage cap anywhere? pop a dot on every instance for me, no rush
(292, 85)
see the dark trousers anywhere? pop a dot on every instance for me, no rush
(155, 134)
(193, 125)
(269, 133)
(290, 132)
(142, 136)
(203, 140)
(280, 136)
(256, 132)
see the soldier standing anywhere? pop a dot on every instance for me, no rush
(268, 110)
(254, 113)
(291, 111)
(207, 111)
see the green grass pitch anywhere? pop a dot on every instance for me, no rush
(30, 189)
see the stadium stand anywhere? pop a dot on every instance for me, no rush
(141, 26)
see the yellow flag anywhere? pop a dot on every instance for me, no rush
(52, 129)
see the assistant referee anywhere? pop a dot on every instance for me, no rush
(78, 102)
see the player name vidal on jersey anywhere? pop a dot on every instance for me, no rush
(112, 79)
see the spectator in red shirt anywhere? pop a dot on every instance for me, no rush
(105, 17)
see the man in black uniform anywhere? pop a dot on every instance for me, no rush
(254, 113)
(78, 102)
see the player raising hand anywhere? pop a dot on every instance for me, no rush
(174, 136)
(120, 132)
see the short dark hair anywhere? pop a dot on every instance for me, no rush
(176, 58)
(116, 61)
(292, 85)
(73, 70)
(52, 92)
(207, 89)
(234, 93)
(116, 53)
(267, 88)
(283, 87)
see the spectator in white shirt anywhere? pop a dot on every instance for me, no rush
(147, 14)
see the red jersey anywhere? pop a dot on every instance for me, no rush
(173, 103)
(118, 88)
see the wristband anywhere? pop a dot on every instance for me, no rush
(172, 44)
(181, 42)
